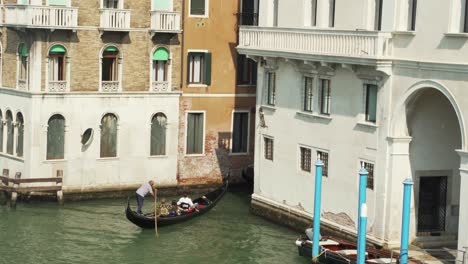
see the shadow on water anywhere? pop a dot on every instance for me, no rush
(98, 232)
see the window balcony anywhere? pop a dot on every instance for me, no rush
(115, 19)
(110, 86)
(165, 21)
(48, 17)
(57, 86)
(160, 87)
(337, 46)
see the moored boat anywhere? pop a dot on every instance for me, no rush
(147, 220)
(334, 250)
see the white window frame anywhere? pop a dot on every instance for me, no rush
(362, 115)
(267, 89)
(232, 132)
(319, 95)
(328, 161)
(120, 5)
(194, 85)
(119, 67)
(314, 94)
(169, 68)
(186, 132)
(309, 13)
(207, 10)
(66, 69)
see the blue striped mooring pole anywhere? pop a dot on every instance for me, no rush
(361, 256)
(317, 203)
(361, 245)
(405, 222)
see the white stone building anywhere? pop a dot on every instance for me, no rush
(373, 83)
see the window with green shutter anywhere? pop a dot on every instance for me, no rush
(195, 133)
(199, 68)
(109, 136)
(56, 137)
(158, 134)
(162, 5)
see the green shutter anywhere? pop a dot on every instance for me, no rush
(207, 70)
(57, 49)
(162, 4)
(58, 2)
(161, 54)
(111, 49)
(56, 137)
(158, 135)
(23, 50)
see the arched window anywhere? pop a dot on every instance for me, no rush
(10, 132)
(57, 69)
(20, 134)
(56, 137)
(22, 66)
(109, 136)
(160, 65)
(1, 131)
(158, 134)
(110, 69)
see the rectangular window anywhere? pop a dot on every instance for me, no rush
(370, 177)
(56, 70)
(195, 133)
(199, 68)
(412, 14)
(246, 71)
(331, 18)
(111, 4)
(306, 159)
(313, 13)
(268, 148)
(109, 69)
(323, 156)
(308, 91)
(378, 15)
(275, 13)
(160, 71)
(371, 102)
(198, 7)
(465, 17)
(271, 88)
(23, 75)
(240, 132)
(325, 96)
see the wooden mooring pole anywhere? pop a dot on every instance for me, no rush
(155, 213)
(14, 193)
(59, 184)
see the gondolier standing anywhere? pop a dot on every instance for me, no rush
(144, 189)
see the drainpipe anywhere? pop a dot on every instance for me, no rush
(182, 47)
(405, 223)
(317, 202)
(361, 243)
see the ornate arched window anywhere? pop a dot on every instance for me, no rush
(158, 134)
(160, 70)
(10, 132)
(23, 54)
(56, 137)
(110, 79)
(109, 136)
(20, 134)
(57, 69)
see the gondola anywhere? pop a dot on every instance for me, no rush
(335, 250)
(147, 220)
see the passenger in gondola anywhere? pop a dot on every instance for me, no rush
(186, 204)
(164, 208)
(175, 209)
(144, 189)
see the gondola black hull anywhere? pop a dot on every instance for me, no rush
(147, 222)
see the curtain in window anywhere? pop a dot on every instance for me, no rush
(20, 135)
(160, 71)
(56, 137)
(196, 62)
(158, 134)
(308, 92)
(197, 7)
(109, 136)
(10, 131)
(1, 132)
(240, 133)
(56, 67)
(195, 128)
(325, 97)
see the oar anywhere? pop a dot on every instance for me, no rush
(155, 213)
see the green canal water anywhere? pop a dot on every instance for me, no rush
(98, 232)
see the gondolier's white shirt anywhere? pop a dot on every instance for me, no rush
(145, 189)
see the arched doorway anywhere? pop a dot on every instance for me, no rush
(429, 118)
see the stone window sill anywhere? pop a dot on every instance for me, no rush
(404, 33)
(367, 124)
(456, 34)
(269, 107)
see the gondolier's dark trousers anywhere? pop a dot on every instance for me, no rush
(140, 200)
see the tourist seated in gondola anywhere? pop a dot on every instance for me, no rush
(164, 208)
(175, 209)
(186, 204)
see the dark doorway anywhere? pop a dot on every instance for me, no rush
(432, 204)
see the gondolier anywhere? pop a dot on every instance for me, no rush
(144, 189)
